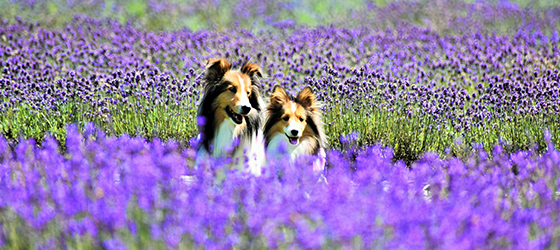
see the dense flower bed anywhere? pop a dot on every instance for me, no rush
(116, 192)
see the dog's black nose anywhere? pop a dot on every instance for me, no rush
(245, 110)
(294, 132)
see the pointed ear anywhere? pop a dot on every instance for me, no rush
(216, 69)
(279, 97)
(251, 70)
(306, 98)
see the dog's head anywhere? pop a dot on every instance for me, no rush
(291, 117)
(235, 94)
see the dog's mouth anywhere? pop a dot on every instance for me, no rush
(235, 117)
(293, 140)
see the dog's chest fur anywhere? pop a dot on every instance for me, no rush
(280, 142)
(249, 153)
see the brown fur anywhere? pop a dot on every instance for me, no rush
(223, 88)
(228, 98)
(306, 114)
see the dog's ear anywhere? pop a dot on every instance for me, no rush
(307, 99)
(251, 70)
(279, 97)
(216, 69)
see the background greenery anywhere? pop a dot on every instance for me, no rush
(219, 15)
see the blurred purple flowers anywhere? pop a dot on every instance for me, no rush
(102, 185)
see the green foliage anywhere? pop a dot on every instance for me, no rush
(155, 120)
(197, 15)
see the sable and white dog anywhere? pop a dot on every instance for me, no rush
(295, 124)
(230, 111)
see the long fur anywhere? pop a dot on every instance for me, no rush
(214, 86)
(276, 108)
(207, 110)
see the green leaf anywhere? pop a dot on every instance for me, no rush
(137, 8)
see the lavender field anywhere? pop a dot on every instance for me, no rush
(443, 121)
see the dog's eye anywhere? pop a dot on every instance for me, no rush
(248, 93)
(233, 89)
(301, 119)
(286, 118)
